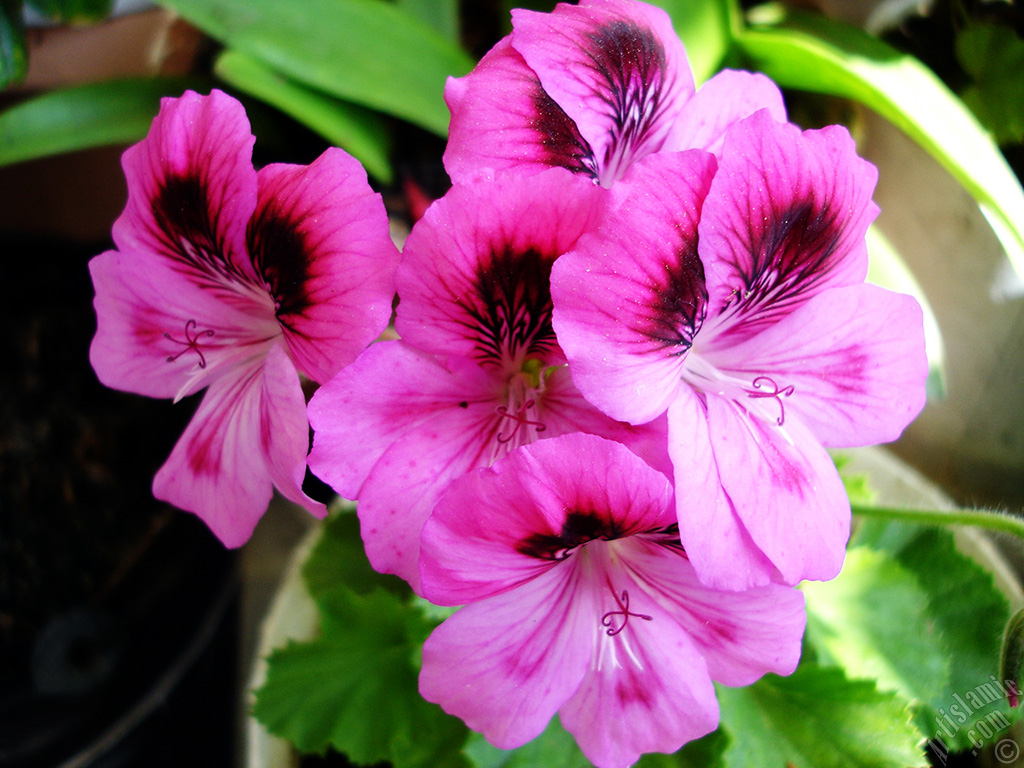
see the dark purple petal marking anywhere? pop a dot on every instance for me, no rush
(281, 253)
(678, 303)
(188, 230)
(761, 384)
(578, 528)
(510, 307)
(559, 137)
(191, 342)
(631, 62)
(622, 602)
(789, 255)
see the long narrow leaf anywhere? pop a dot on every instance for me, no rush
(706, 28)
(365, 51)
(116, 112)
(816, 54)
(355, 129)
(13, 56)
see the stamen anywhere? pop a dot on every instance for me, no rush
(190, 342)
(519, 419)
(623, 603)
(775, 392)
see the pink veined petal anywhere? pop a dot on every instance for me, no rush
(217, 469)
(160, 334)
(474, 279)
(618, 70)
(784, 220)
(505, 665)
(784, 489)
(718, 545)
(741, 635)
(647, 688)
(284, 429)
(319, 240)
(503, 119)
(497, 527)
(630, 298)
(726, 98)
(849, 364)
(191, 191)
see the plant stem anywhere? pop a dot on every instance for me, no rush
(993, 521)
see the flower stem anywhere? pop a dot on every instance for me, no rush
(993, 521)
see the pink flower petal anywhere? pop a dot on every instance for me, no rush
(618, 70)
(503, 119)
(319, 239)
(474, 276)
(779, 483)
(853, 358)
(191, 191)
(505, 665)
(159, 334)
(242, 437)
(784, 220)
(726, 98)
(630, 298)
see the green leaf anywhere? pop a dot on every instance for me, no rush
(441, 15)
(871, 621)
(969, 613)
(355, 688)
(706, 28)
(812, 53)
(993, 55)
(705, 752)
(116, 112)
(69, 11)
(817, 718)
(363, 133)
(13, 55)
(555, 747)
(364, 51)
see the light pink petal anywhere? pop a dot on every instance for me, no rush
(630, 298)
(244, 436)
(474, 276)
(726, 98)
(741, 635)
(162, 335)
(618, 70)
(192, 189)
(784, 220)
(783, 489)
(505, 665)
(504, 120)
(500, 526)
(319, 239)
(851, 358)
(718, 544)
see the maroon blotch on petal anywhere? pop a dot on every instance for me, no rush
(281, 255)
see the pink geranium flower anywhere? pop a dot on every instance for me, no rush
(477, 372)
(237, 282)
(730, 294)
(580, 600)
(593, 88)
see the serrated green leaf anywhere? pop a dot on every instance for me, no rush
(70, 11)
(117, 112)
(368, 52)
(706, 28)
(993, 55)
(355, 689)
(364, 134)
(969, 614)
(13, 55)
(705, 752)
(808, 52)
(817, 718)
(872, 621)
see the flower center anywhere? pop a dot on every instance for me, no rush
(704, 376)
(191, 342)
(610, 619)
